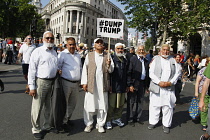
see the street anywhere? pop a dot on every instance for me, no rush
(15, 109)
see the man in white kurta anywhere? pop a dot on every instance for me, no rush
(163, 98)
(98, 100)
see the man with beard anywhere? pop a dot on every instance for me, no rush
(138, 81)
(42, 71)
(164, 73)
(95, 81)
(25, 51)
(69, 63)
(118, 87)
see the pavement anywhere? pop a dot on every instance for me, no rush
(15, 124)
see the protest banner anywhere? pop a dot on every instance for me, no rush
(111, 28)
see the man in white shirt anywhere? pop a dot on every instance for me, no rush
(42, 71)
(95, 81)
(25, 51)
(69, 63)
(164, 73)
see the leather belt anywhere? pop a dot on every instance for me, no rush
(70, 80)
(47, 78)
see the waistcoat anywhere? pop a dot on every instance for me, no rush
(155, 88)
(91, 70)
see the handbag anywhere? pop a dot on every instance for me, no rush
(194, 111)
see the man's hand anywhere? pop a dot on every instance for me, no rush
(201, 105)
(32, 93)
(108, 62)
(162, 84)
(132, 89)
(60, 72)
(84, 87)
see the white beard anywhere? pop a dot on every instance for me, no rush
(165, 56)
(48, 45)
(119, 54)
(141, 55)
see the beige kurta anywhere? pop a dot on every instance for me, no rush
(98, 99)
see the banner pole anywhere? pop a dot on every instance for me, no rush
(109, 49)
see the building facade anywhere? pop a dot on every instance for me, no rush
(78, 19)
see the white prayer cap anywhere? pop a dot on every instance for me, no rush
(47, 32)
(119, 44)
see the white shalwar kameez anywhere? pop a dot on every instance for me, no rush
(97, 101)
(165, 99)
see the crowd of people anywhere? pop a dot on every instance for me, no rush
(55, 75)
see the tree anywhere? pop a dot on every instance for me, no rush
(148, 44)
(180, 18)
(16, 17)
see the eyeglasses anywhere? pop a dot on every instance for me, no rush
(29, 38)
(120, 48)
(72, 44)
(52, 38)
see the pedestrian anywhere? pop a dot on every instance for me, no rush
(178, 85)
(43, 67)
(69, 63)
(116, 96)
(138, 82)
(130, 54)
(164, 73)
(8, 55)
(150, 56)
(1, 50)
(95, 81)
(202, 105)
(25, 53)
(198, 89)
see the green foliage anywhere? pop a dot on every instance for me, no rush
(16, 17)
(148, 44)
(171, 16)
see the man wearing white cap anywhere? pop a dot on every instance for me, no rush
(95, 81)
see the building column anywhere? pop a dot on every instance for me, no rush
(77, 23)
(82, 23)
(70, 22)
(66, 15)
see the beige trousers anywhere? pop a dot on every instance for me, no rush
(42, 99)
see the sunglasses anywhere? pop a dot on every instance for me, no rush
(29, 38)
(120, 48)
(72, 44)
(52, 38)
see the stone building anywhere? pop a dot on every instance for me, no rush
(78, 19)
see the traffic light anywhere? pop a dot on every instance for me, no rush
(58, 36)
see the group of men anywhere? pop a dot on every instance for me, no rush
(106, 79)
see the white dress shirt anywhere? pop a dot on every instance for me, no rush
(143, 72)
(70, 64)
(43, 64)
(26, 51)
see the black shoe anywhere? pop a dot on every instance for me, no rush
(166, 130)
(54, 130)
(37, 136)
(150, 127)
(65, 128)
(203, 138)
(131, 123)
(140, 122)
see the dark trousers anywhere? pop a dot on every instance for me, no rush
(178, 88)
(1, 52)
(135, 102)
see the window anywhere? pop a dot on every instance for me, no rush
(87, 30)
(88, 19)
(92, 32)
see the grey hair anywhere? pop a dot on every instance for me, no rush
(46, 33)
(119, 44)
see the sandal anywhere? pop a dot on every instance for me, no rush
(204, 127)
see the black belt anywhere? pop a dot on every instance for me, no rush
(47, 78)
(70, 80)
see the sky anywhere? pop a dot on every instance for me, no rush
(118, 4)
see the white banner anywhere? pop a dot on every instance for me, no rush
(112, 28)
